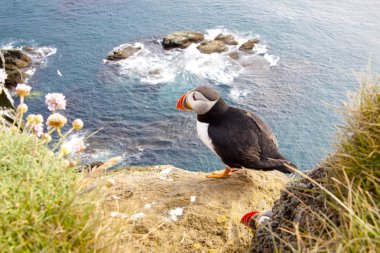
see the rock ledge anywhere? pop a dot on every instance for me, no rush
(175, 210)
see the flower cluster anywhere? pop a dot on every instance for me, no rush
(74, 146)
(55, 101)
(35, 122)
(23, 90)
(55, 122)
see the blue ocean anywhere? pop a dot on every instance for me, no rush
(309, 55)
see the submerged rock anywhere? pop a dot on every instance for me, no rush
(123, 53)
(15, 62)
(234, 55)
(249, 45)
(196, 214)
(214, 46)
(226, 39)
(181, 39)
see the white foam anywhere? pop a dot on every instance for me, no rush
(39, 56)
(272, 59)
(153, 65)
(237, 94)
(216, 67)
(30, 71)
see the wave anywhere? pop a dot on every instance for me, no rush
(154, 65)
(39, 55)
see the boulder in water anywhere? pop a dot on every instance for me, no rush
(226, 39)
(181, 39)
(15, 54)
(123, 53)
(14, 77)
(214, 46)
(249, 45)
(15, 62)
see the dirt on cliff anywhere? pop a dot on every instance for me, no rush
(166, 209)
(295, 212)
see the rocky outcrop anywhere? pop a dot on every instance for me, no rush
(16, 62)
(7, 109)
(123, 53)
(226, 39)
(181, 39)
(296, 209)
(214, 46)
(173, 210)
(249, 45)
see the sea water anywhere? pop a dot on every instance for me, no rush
(303, 70)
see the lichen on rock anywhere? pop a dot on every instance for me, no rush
(211, 221)
(228, 39)
(214, 46)
(249, 45)
(181, 39)
(15, 62)
(123, 53)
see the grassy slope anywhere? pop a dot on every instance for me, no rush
(355, 172)
(40, 208)
(336, 207)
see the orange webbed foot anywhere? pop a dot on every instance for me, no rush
(221, 174)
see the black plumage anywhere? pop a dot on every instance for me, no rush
(240, 138)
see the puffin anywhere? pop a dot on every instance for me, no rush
(240, 138)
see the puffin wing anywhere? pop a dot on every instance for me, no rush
(262, 126)
(236, 139)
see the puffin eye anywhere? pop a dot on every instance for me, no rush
(194, 97)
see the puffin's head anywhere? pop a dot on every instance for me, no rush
(199, 100)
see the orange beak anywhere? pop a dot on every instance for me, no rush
(183, 104)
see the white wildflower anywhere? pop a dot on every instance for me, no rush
(23, 90)
(56, 120)
(77, 124)
(75, 145)
(55, 101)
(22, 108)
(38, 129)
(193, 198)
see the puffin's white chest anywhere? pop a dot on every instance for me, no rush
(202, 129)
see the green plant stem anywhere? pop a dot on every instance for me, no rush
(20, 121)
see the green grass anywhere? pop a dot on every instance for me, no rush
(352, 188)
(41, 209)
(355, 172)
